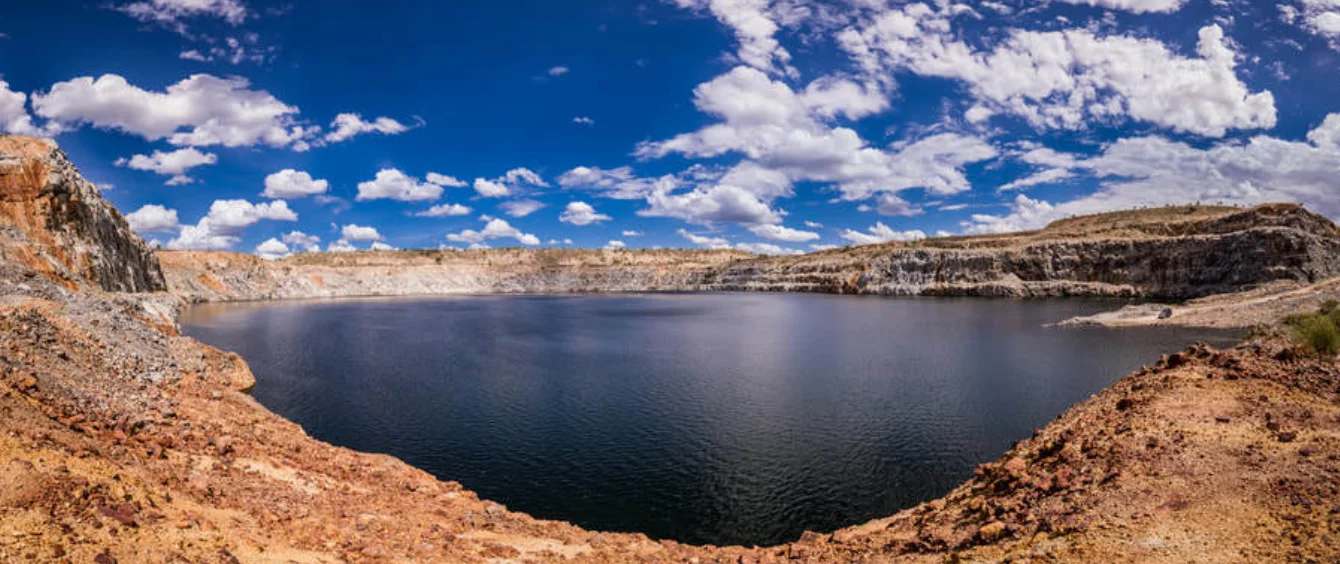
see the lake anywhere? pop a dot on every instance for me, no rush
(712, 418)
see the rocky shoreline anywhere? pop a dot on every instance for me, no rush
(124, 441)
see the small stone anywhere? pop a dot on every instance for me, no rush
(1286, 436)
(223, 445)
(991, 531)
(1222, 419)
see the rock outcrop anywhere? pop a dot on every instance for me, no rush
(1168, 253)
(55, 222)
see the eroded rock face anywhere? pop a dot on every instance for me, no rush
(1163, 254)
(58, 224)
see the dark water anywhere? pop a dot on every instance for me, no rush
(724, 418)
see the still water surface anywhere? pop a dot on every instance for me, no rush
(717, 418)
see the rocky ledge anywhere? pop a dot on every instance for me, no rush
(1165, 253)
(122, 441)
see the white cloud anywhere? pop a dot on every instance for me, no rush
(174, 164)
(880, 233)
(221, 228)
(393, 184)
(781, 233)
(171, 12)
(14, 116)
(1068, 79)
(582, 213)
(348, 125)
(232, 50)
(618, 183)
(711, 204)
(355, 232)
(766, 249)
(303, 242)
(813, 224)
(491, 189)
(715, 243)
(521, 208)
(632, 233)
(1136, 6)
(494, 229)
(380, 246)
(583, 120)
(201, 110)
(1048, 176)
(519, 176)
(755, 26)
(1319, 17)
(153, 218)
(444, 180)
(516, 181)
(272, 249)
(289, 183)
(340, 246)
(558, 71)
(785, 139)
(444, 210)
(823, 247)
(615, 245)
(1155, 171)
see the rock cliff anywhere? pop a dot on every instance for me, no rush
(1167, 253)
(55, 222)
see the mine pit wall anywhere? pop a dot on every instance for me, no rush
(57, 223)
(1165, 268)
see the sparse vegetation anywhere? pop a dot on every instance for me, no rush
(1319, 332)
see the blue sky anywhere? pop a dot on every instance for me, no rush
(776, 126)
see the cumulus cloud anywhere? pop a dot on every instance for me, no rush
(880, 233)
(715, 243)
(380, 246)
(153, 218)
(1136, 6)
(289, 183)
(617, 183)
(782, 233)
(521, 208)
(720, 243)
(302, 242)
(444, 180)
(615, 245)
(272, 249)
(171, 13)
(201, 110)
(1155, 171)
(514, 182)
(355, 232)
(632, 233)
(581, 213)
(494, 229)
(1068, 79)
(444, 210)
(174, 164)
(1319, 17)
(14, 117)
(348, 125)
(755, 25)
(392, 184)
(221, 228)
(341, 246)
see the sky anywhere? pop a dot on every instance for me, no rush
(768, 126)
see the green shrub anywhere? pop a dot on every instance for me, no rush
(1319, 332)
